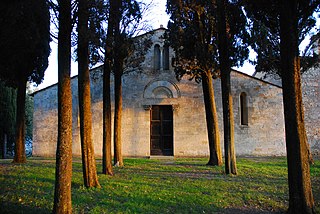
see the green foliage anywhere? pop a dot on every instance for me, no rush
(29, 117)
(129, 17)
(193, 34)
(8, 97)
(24, 40)
(265, 32)
(98, 11)
(156, 186)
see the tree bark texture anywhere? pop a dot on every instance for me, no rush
(118, 159)
(212, 120)
(300, 191)
(106, 150)
(19, 149)
(225, 68)
(107, 138)
(62, 193)
(90, 176)
(118, 71)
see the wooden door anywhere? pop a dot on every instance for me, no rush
(161, 128)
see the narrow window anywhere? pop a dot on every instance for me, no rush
(243, 109)
(157, 57)
(166, 57)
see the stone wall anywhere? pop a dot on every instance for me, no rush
(264, 134)
(45, 122)
(142, 88)
(311, 101)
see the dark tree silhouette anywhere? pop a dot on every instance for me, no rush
(190, 34)
(290, 21)
(300, 192)
(264, 28)
(127, 15)
(8, 96)
(123, 21)
(25, 38)
(225, 68)
(193, 34)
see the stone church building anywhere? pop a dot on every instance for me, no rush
(166, 117)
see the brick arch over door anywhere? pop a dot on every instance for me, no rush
(159, 88)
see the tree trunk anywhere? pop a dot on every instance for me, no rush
(106, 150)
(62, 193)
(90, 176)
(107, 156)
(310, 157)
(118, 70)
(212, 120)
(228, 126)
(19, 149)
(300, 192)
(118, 159)
(225, 68)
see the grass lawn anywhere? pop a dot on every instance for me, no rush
(155, 186)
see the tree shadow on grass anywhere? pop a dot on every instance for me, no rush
(245, 210)
(16, 208)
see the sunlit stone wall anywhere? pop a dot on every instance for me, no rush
(311, 101)
(144, 87)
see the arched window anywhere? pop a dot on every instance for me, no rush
(243, 109)
(166, 57)
(157, 57)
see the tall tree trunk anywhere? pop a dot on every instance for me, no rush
(90, 176)
(225, 68)
(212, 120)
(118, 66)
(106, 150)
(62, 193)
(300, 192)
(118, 70)
(19, 149)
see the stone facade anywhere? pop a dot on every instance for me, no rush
(311, 102)
(263, 134)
